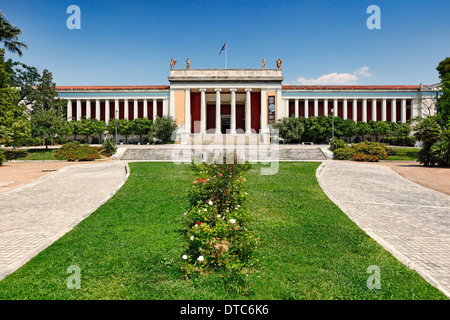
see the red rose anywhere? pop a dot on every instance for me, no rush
(199, 223)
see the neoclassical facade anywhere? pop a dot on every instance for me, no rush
(242, 101)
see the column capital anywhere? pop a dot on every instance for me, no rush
(248, 89)
(202, 89)
(218, 89)
(233, 89)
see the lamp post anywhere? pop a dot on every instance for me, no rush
(332, 122)
(117, 111)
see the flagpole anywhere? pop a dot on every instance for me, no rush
(226, 50)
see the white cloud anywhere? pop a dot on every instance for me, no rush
(363, 72)
(336, 78)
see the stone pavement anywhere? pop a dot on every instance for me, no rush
(34, 215)
(409, 220)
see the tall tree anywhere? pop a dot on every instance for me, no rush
(48, 111)
(13, 117)
(9, 35)
(444, 100)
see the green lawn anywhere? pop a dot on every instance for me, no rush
(131, 247)
(404, 154)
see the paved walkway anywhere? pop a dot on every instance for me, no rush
(409, 220)
(35, 215)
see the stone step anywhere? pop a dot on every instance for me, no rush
(178, 153)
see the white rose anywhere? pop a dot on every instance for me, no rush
(232, 220)
(200, 258)
(210, 202)
(192, 238)
(184, 256)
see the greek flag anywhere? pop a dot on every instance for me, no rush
(223, 47)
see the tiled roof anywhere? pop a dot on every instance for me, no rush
(113, 88)
(351, 87)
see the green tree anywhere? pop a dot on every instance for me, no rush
(48, 111)
(349, 129)
(444, 100)
(380, 128)
(290, 129)
(13, 116)
(142, 126)
(165, 127)
(429, 132)
(9, 35)
(98, 127)
(124, 128)
(363, 129)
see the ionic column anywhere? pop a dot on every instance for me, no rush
(287, 107)
(145, 111)
(355, 110)
(364, 110)
(403, 110)
(116, 109)
(325, 107)
(296, 111)
(218, 90)
(383, 110)
(69, 110)
(166, 107)
(97, 109)
(78, 109)
(263, 120)
(135, 109)
(107, 115)
(344, 111)
(88, 109)
(233, 112)
(202, 110)
(374, 109)
(248, 122)
(306, 108)
(394, 110)
(316, 107)
(126, 115)
(335, 107)
(155, 109)
(187, 110)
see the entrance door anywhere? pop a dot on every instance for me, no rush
(225, 124)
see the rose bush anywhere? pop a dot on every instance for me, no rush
(217, 235)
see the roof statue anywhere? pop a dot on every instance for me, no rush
(172, 63)
(188, 63)
(263, 63)
(279, 63)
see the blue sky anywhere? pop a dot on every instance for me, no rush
(320, 42)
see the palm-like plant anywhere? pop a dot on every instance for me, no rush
(9, 35)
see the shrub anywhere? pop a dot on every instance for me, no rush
(217, 236)
(75, 151)
(336, 143)
(2, 157)
(108, 147)
(345, 153)
(364, 151)
(14, 154)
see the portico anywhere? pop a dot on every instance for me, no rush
(224, 101)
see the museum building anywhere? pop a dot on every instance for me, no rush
(216, 101)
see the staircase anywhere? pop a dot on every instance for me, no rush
(251, 153)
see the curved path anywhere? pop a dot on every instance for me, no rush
(34, 215)
(409, 220)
